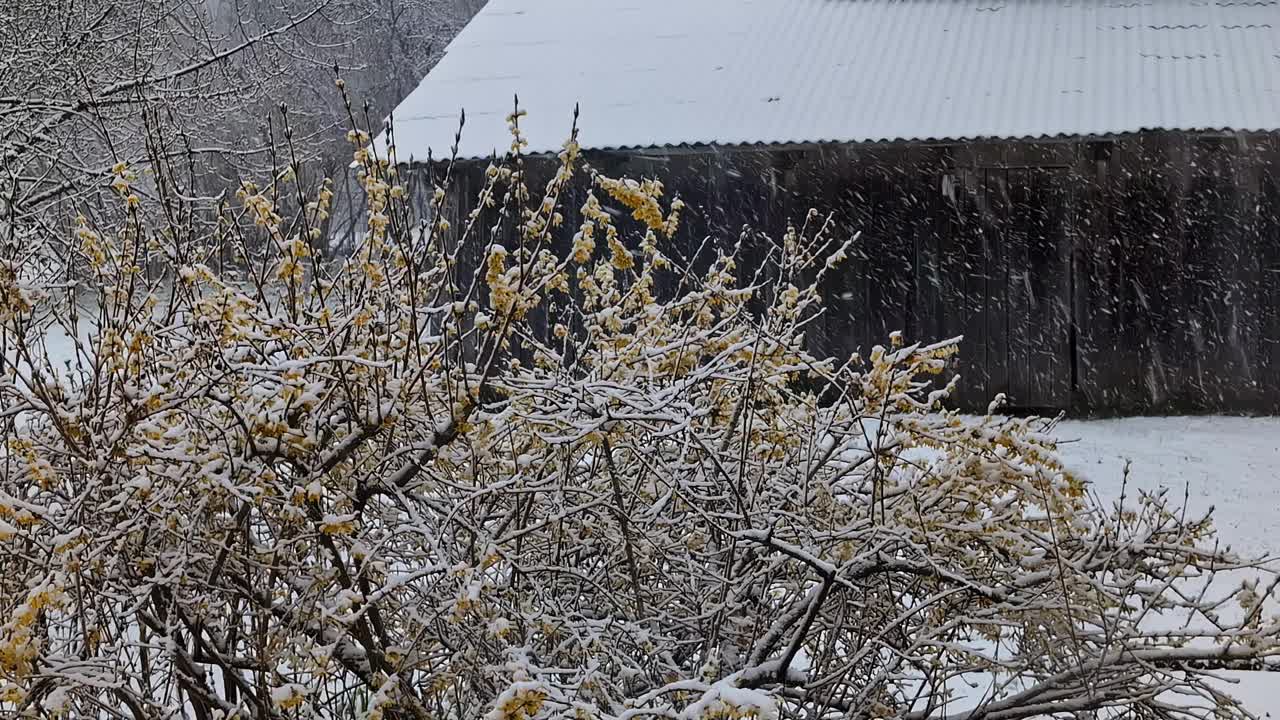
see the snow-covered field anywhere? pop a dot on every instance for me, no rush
(1230, 464)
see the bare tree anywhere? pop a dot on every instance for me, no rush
(78, 78)
(87, 84)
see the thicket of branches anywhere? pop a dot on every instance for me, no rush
(394, 485)
(87, 84)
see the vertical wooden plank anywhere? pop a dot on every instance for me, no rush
(1037, 292)
(965, 272)
(1163, 274)
(1144, 230)
(1056, 276)
(1220, 267)
(949, 247)
(1245, 257)
(1267, 235)
(889, 278)
(817, 183)
(856, 205)
(836, 183)
(914, 217)
(1020, 230)
(936, 205)
(995, 275)
(1096, 276)
(1046, 288)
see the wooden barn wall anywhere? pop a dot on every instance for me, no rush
(1139, 274)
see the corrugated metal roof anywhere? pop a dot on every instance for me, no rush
(675, 72)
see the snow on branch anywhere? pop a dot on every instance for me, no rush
(523, 462)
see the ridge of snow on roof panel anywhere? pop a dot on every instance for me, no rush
(653, 73)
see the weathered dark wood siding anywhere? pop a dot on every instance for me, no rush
(1113, 275)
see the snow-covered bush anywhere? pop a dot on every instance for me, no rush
(589, 484)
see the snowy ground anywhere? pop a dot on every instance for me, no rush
(1230, 464)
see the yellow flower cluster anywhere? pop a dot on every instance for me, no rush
(502, 294)
(288, 697)
(338, 525)
(642, 199)
(19, 642)
(295, 250)
(38, 470)
(15, 300)
(672, 223)
(729, 711)
(121, 181)
(518, 141)
(192, 274)
(260, 207)
(90, 243)
(230, 312)
(12, 693)
(319, 208)
(523, 704)
(584, 242)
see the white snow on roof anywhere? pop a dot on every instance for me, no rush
(674, 72)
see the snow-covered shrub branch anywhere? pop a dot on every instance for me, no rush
(576, 479)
